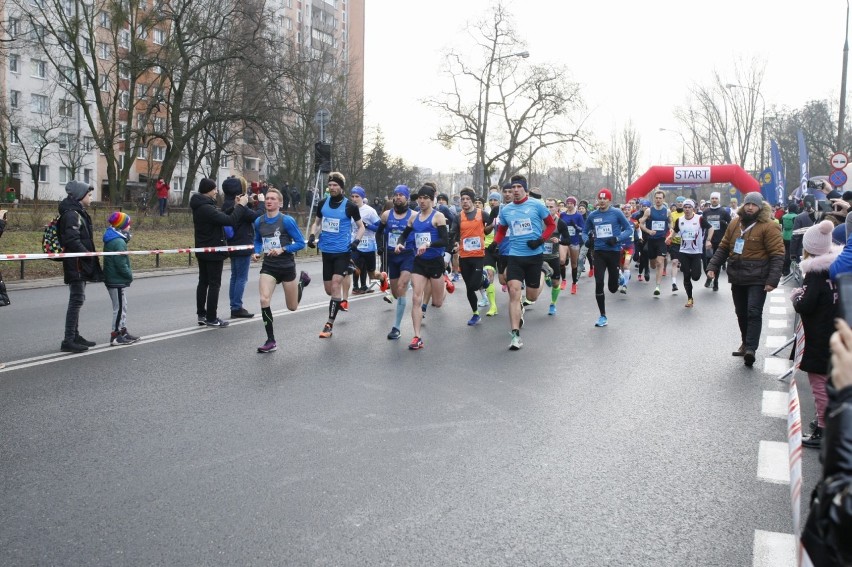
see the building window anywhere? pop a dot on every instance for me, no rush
(103, 19)
(85, 45)
(14, 98)
(124, 100)
(141, 90)
(122, 130)
(158, 153)
(68, 7)
(142, 152)
(43, 174)
(141, 32)
(13, 64)
(159, 124)
(87, 176)
(123, 71)
(66, 75)
(103, 50)
(66, 108)
(39, 31)
(39, 69)
(14, 28)
(159, 36)
(63, 175)
(124, 39)
(64, 141)
(88, 143)
(16, 170)
(13, 135)
(105, 85)
(39, 104)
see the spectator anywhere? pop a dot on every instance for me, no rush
(295, 198)
(118, 276)
(242, 234)
(162, 195)
(787, 234)
(803, 220)
(285, 200)
(75, 233)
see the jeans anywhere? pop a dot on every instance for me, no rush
(209, 282)
(75, 302)
(163, 201)
(748, 305)
(239, 277)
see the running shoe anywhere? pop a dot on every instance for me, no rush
(601, 321)
(216, 323)
(592, 272)
(573, 289)
(394, 334)
(388, 297)
(552, 309)
(657, 291)
(621, 279)
(523, 310)
(641, 278)
(474, 320)
(674, 289)
(503, 288)
(344, 305)
(118, 340)
(128, 336)
(326, 331)
(492, 312)
(304, 279)
(483, 302)
(623, 289)
(709, 283)
(415, 344)
(689, 303)
(202, 320)
(526, 302)
(563, 285)
(664, 273)
(268, 346)
(451, 287)
(515, 343)
(748, 357)
(357, 291)
(647, 276)
(383, 285)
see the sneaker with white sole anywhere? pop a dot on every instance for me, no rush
(515, 343)
(602, 322)
(268, 346)
(216, 323)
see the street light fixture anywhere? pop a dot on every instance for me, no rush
(479, 180)
(762, 120)
(842, 116)
(682, 148)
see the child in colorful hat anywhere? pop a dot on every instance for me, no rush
(118, 276)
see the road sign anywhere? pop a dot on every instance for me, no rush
(837, 178)
(839, 160)
(322, 117)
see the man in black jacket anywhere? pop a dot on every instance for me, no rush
(209, 223)
(75, 234)
(243, 234)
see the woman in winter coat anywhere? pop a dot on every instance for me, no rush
(816, 302)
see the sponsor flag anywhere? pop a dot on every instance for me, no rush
(802, 189)
(778, 174)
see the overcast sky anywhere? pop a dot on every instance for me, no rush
(634, 60)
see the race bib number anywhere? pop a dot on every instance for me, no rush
(422, 239)
(368, 242)
(271, 243)
(603, 231)
(330, 225)
(739, 244)
(522, 227)
(658, 225)
(548, 248)
(572, 231)
(393, 239)
(715, 224)
(688, 234)
(471, 244)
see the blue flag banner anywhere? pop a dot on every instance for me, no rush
(780, 195)
(804, 174)
(767, 185)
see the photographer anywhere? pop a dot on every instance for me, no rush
(826, 536)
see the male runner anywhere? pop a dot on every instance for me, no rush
(655, 224)
(400, 261)
(691, 228)
(469, 238)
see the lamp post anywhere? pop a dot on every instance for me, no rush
(842, 116)
(479, 180)
(682, 147)
(762, 120)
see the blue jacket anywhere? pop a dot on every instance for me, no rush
(843, 263)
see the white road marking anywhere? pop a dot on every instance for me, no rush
(777, 310)
(778, 324)
(774, 404)
(773, 463)
(776, 366)
(773, 549)
(775, 341)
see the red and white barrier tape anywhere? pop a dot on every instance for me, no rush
(124, 253)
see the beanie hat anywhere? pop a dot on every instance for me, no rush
(571, 199)
(206, 185)
(646, 203)
(520, 180)
(338, 178)
(358, 190)
(426, 191)
(403, 190)
(534, 193)
(78, 189)
(507, 185)
(716, 194)
(443, 196)
(469, 192)
(689, 202)
(681, 199)
(605, 194)
(119, 220)
(817, 240)
(753, 198)
(494, 196)
(232, 187)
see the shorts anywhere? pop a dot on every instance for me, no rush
(655, 247)
(282, 274)
(335, 264)
(433, 268)
(555, 265)
(366, 260)
(490, 259)
(674, 251)
(526, 269)
(398, 263)
(502, 264)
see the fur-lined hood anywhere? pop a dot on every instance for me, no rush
(763, 215)
(820, 263)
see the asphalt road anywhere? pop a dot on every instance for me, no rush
(635, 444)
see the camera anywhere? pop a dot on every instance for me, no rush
(816, 184)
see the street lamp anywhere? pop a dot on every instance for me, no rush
(683, 146)
(842, 116)
(479, 180)
(762, 120)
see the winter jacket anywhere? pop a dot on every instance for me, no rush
(803, 220)
(762, 257)
(209, 223)
(787, 226)
(243, 230)
(117, 272)
(817, 304)
(826, 534)
(75, 234)
(843, 263)
(162, 190)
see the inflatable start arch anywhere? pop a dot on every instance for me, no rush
(692, 174)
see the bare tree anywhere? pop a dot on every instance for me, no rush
(500, 111)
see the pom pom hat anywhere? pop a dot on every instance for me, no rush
(817, 240)
(119, 220)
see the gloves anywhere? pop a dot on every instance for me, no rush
(796, 294)
(612, 240)
(535, 243)
(354, 245)
(312, 241)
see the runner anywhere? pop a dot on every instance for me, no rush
(719, 218)
(277, 237)
(335, 217)
(528, 224)
(469, 238)
(364, 257)
(691, 229)
(609, 228)
(399, 261)
(673, 240)
(655, 224)
(555, 253)
(575, 223)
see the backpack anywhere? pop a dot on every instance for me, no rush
(50, 241)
